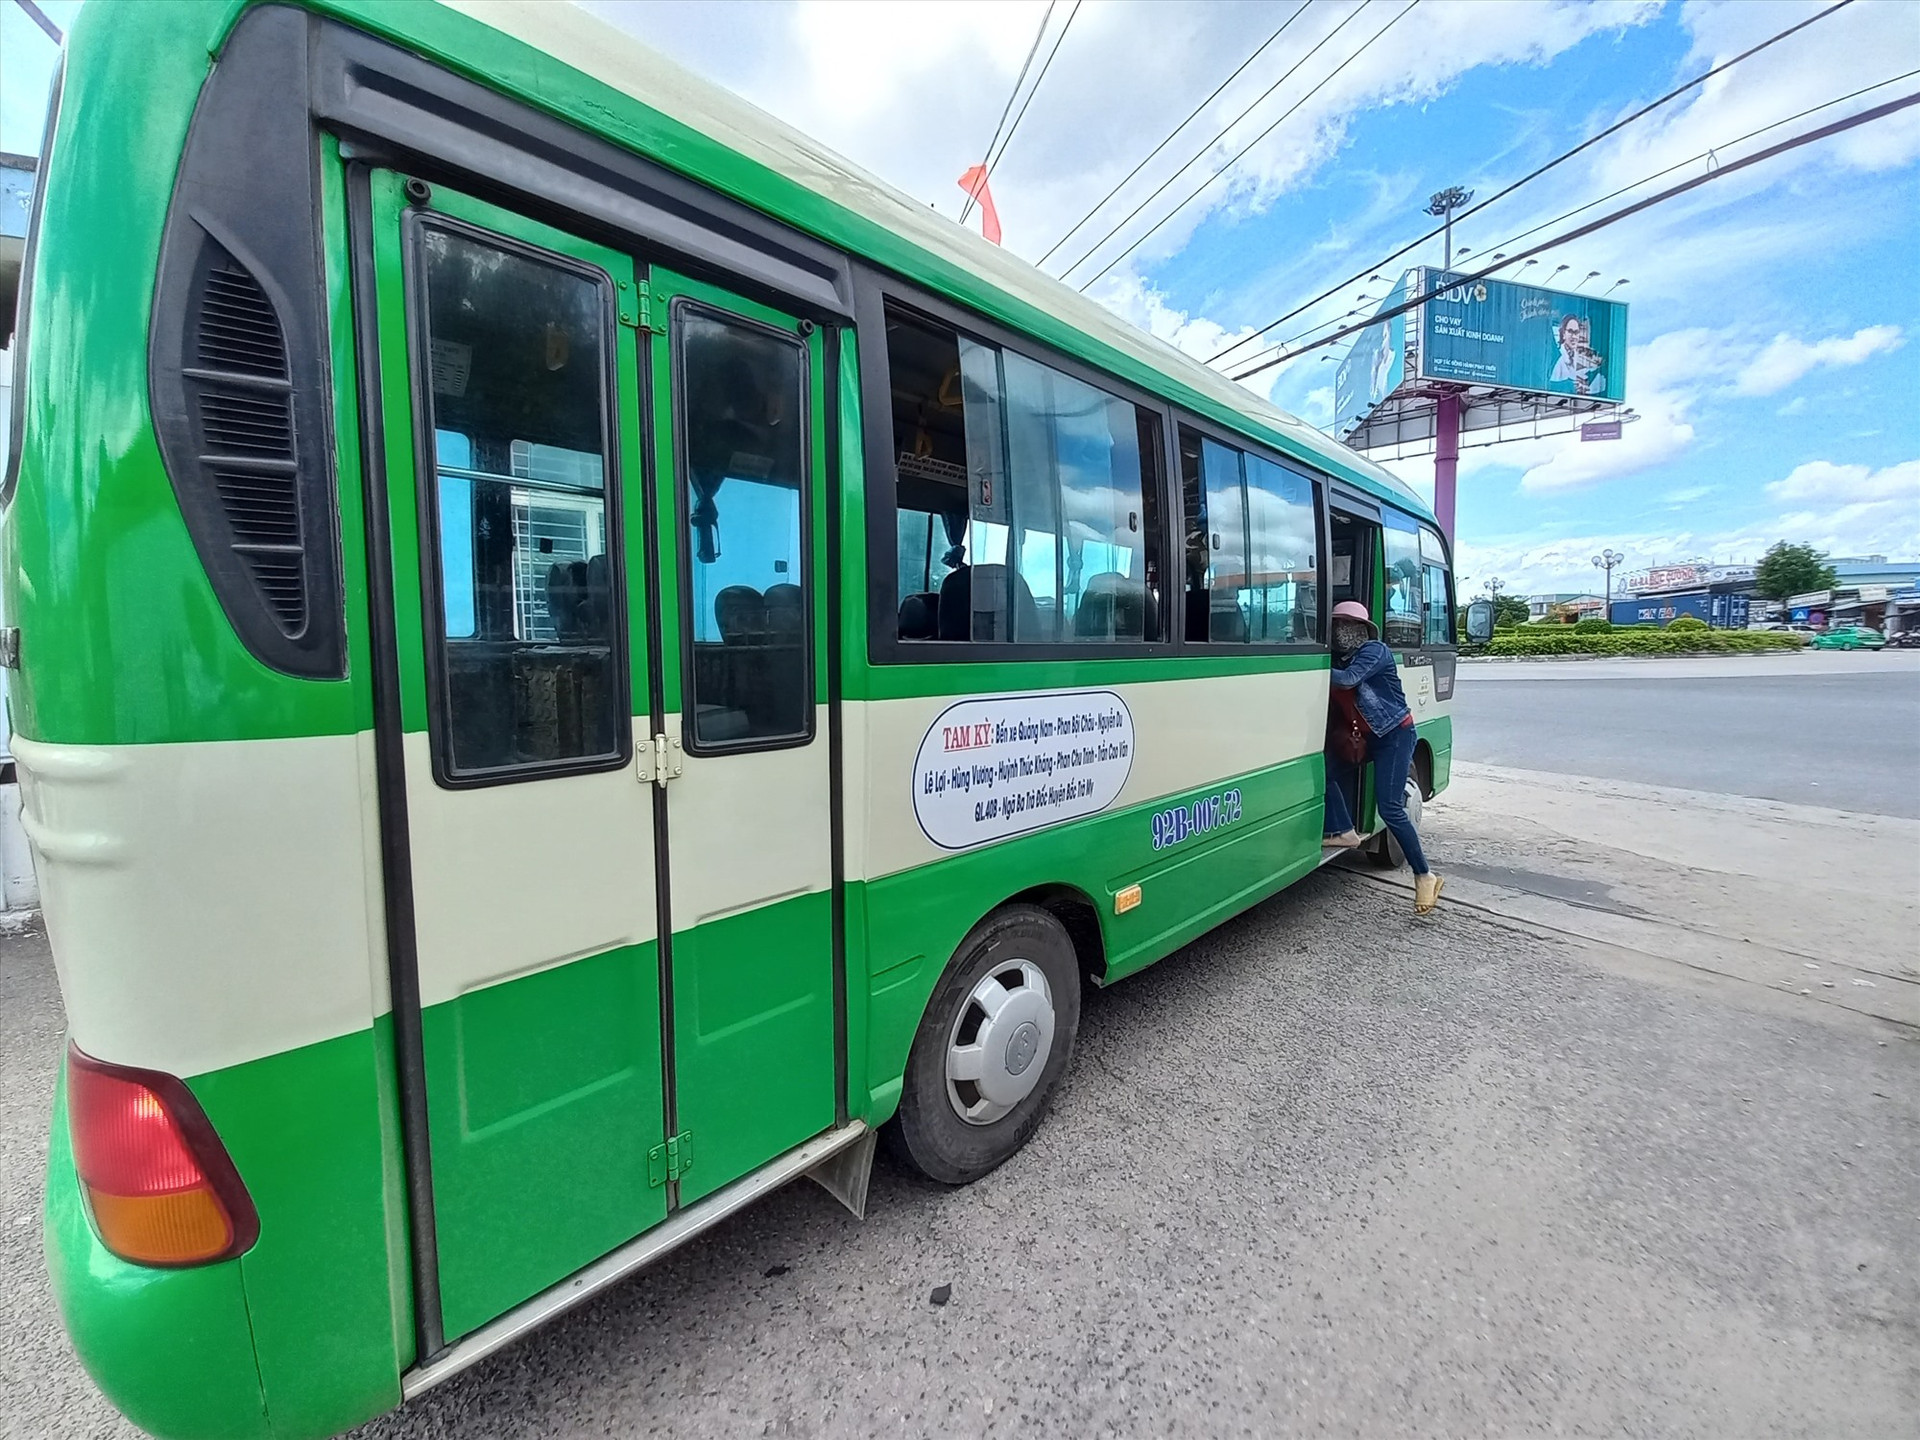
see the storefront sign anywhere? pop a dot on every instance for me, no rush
(1004, 765)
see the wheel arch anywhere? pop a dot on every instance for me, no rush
(1423, 767)
(1078, 916)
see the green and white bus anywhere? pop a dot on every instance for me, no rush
(574, 658)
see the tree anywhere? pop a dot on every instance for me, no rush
(1787, 570)
(1510, 610)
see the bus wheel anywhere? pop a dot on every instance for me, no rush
(996, 1038)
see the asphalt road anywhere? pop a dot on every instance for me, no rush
(1823, 728)
(1329, 1171)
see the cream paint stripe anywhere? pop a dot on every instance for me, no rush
(208, 903)
(1187, 733)
(512, 879)
(748, 830)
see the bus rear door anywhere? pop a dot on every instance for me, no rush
(610, 636)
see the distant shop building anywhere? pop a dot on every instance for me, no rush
(1867, 590)
(1720, 595)
(1542, 607)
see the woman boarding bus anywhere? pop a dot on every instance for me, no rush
(578, 657)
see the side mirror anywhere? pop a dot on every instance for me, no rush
(1480, 621)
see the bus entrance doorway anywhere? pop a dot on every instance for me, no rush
(1354, 574)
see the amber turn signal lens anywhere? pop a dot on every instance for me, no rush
(160, 1185)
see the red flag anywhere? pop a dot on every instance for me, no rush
(974, 182)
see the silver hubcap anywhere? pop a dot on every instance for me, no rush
(1000, 1041)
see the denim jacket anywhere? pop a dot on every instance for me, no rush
(1371, 674)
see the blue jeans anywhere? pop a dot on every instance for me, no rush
(1392, 756)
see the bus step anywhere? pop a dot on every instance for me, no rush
(845, 1174)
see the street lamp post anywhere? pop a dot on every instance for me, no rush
(1442, 205)
(1606, 560)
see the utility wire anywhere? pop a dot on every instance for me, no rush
(1615, 128)
(1047, 64)
(1007, 109)
(1636, 184)
(1194, 114)
(39, 17)
(1224, 131)
(1365, 46)
(1732, 167)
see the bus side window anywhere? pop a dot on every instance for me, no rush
(1026, 500)
(744, 473)
(1405, 620)
(529, 675)
(1438, 589)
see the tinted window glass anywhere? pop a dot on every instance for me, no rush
(1405, 620)
(518, 391)
(1214, 503)
(744, 471)
(1283, 592)
(1027, 498)
(1436, 589)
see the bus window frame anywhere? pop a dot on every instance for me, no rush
(1321, 486)
(427, 505)
(683, 542)
(873, 293)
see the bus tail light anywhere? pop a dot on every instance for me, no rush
(161, 1186)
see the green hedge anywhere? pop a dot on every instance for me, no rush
(1643, 642)
(1593, 625)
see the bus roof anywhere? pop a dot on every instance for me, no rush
(937, 252)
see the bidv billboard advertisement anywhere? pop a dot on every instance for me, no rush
(1376, 365)
(1521, 337)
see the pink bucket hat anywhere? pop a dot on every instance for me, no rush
(1354, 610)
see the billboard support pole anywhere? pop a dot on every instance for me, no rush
(1446, 460)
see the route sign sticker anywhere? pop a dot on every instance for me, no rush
(1003, 765)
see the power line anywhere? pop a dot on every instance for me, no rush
(1613, 129)
(1047, 64)
(1101, 203)
(39, 17)
(1643, 180)
(1224, 131)
(1365, 46)
(1732, 167)
(1005, 110)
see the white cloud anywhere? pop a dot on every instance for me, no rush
(1823, 482)
(1795, 406)
(1786, 358)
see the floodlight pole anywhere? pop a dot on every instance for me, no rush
(1446, 459)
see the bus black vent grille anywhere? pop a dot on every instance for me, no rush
(281, 576)
(261, 506)
(242, 423)
(237, 329)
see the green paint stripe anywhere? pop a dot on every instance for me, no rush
(994, 677)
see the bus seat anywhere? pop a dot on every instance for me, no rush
(1228, 623)
(786, 612)
(740, 612)
(566, 598)
(988, 610)
(920, 617)
(1112, 607)
(955, 613)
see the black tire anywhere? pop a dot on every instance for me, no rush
(928, 1132)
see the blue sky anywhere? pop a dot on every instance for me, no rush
(1773, 357)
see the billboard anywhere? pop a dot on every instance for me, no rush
(1376, 366)
(1521, 337)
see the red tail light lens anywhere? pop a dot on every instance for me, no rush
(161, 1186)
